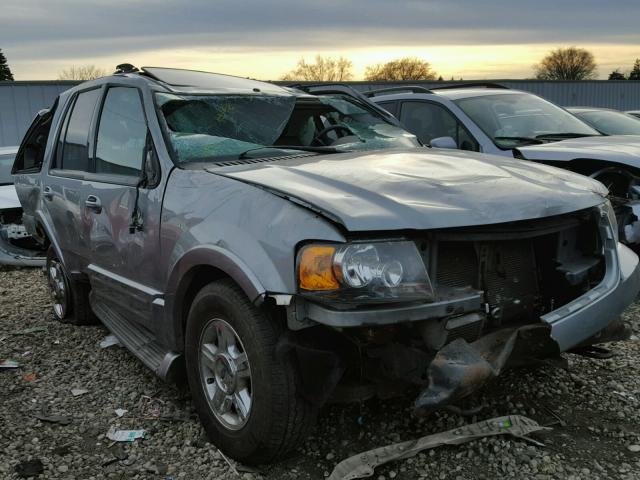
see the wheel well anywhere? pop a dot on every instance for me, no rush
(617, 177)
(194, 280)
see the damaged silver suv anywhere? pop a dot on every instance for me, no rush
(282, 248)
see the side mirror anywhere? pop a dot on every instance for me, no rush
(443, 142)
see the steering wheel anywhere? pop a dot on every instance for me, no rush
(322, 138)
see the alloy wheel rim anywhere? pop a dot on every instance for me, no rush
(225, 374)
(58, 288)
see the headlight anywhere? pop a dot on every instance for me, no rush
(376, 271)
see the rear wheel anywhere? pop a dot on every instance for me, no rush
(244, 393)
(70, 299)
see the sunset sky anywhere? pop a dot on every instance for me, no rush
(264, 39)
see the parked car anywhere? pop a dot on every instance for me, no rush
(493, 119)
(16, 245)
(281, 248)
(608, 121)
(635, 113)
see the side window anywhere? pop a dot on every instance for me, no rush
(73, 146)
(391, 107)
(122, 133)
(428, 121)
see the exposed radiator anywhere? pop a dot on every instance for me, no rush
(504, 270)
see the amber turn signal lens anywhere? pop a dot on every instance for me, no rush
(316, 268)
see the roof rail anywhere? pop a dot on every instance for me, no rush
(410, 88)
(472, 85)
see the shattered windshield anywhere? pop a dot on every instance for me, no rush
(518, 119)
(209, 128)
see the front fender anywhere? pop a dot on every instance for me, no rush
(219, 258)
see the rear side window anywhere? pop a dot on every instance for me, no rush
(122, 133)
(73, 146)
(391, 107)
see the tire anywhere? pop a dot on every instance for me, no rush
(70, 299)
(278, 418)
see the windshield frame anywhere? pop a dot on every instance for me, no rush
(173, 154)
(503, 147)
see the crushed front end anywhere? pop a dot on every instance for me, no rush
(472, 302)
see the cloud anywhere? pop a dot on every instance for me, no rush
(75, 31)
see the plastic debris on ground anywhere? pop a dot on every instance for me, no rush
(109, 341)
(76, 392)
(9, 364)
(364, 464)
(150, 408)
(30, 468)
(30, 377)
(124, 435)
(30, 330)
(120, 412)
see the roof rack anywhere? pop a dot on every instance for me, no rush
(125, 68)
(410, 88)
(472, 85)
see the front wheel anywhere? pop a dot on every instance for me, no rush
(244, 393)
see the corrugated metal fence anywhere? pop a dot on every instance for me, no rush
(20, 101)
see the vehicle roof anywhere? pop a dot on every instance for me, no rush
(458, 93)
(451, 93)
(591, 109)
(8, 150)
(177, 80)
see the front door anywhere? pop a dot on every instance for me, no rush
(123, 207)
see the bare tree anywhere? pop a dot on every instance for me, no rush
(408, 68)
(83, 72)
(325, 69)
(570, 63)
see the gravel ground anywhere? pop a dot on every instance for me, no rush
(598, 400)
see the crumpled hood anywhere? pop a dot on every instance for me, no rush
(421, 188)
(623, 149)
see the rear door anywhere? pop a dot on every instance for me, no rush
(63, 188)
(123, 207)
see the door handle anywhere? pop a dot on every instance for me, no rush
(93, 203)
(47, 193)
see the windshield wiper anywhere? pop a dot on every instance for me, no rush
(564, 135)
(291, 147)
(535, 140)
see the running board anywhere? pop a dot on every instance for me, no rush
(137, 340)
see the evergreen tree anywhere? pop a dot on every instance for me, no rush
(617, 75)
(635, 72)
(5, 71)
